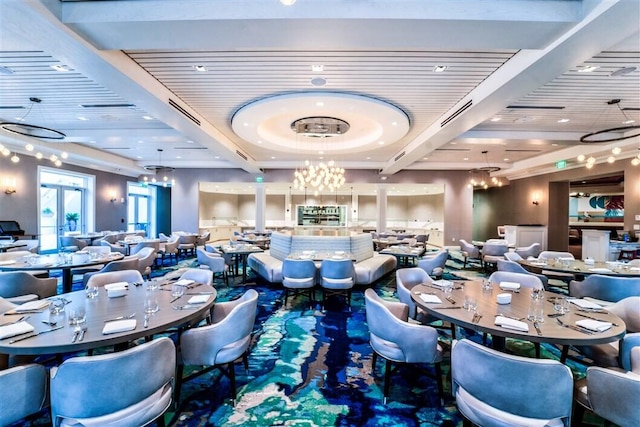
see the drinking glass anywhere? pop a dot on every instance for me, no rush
(470, 303)
(91, 291)
(177, 290)
(487, 286)
(153, 285)
(77, 315)
(151, 305)
(56, 306)
(561, 305)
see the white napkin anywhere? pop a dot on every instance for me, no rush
(15, 329)
(432, 299)
(198, 299)
(184, 282)
(511, 286)
(507, 323)
(585, 304)
(594, 325)
(600, 270)
(117, 285)
(31, 306)
(441, 283)
(119, 326)
(8, 262)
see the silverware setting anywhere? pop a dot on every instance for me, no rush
(35, 334)
(451, 300)
(16, 321)
(146, 320)
(131, 316)
(476, 317)
(46, 322)
(186, 306)
(595, 318)
(537, 326)
(446, 308)
(510, 317)
(575, 327)
(175, 299)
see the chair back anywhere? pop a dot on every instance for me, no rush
(130, 387)
(227, 338)
(17, 283)
(614, 396)
(494, 388)
(215, 262)
(434, 264)
(406, 279)
(525, 279)
(514, 267)
(337, 269)
(628, 309)
(468, 249)
(71, 243)
(155, 244)
(545, 255)
(100, 279)
(298, 268)
(23, 392)
(606, 288)
(512, 256)
(502, 230)
(533, 250)
(199, 275)
(495, 249)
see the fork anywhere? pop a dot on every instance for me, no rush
(476, 317)
(451, 300)
(82, 332)
(574, 327)
(76, 334)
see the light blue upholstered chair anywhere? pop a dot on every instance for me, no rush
(23, 392)
(398, 341)
(512, 256)
(114, 247)
(532, 250)
(20, 287)
(526, 280)
(610, 394)
(514, 267)
(299, 278)
(229, 259)
(215, 262)
(434, 264)
(469, 252)
(337, 278)
(127, 263)
(198, 275)
(71, 244)
(104, 278)
(127, 388)
(146, 259)
(492, 388)
(492, 252)
(220, 344)
(187, 244)
(605, 288)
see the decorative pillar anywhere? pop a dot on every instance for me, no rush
(261, 202)
(381, 204)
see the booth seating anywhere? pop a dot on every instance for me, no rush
(369, 265)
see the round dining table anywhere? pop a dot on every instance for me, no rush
(52, 262)
(580, 269)
(550, 330)
(100, 311)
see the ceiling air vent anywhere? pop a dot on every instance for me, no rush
(457, 113)
(107, 105)
(184, 112)
(534, 107)
(399, 156)
(241, 154)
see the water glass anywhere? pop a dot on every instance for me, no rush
(56, 306)
(536, 310)
(177, 290)
(447, 290)
(153, 285)
(561, 305)
(91, 291)
(151, 305)
(470, 303)
(487, 286)
(77, 315)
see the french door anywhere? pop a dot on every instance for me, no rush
(61, 211)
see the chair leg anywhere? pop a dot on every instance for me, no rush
(232, 378)
(439, 382)
(160, 421)
(536, 345)
(245, 360)
(387, 378)
(374, 360)
(176, 393)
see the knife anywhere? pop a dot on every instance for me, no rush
(35, 334)
(537, 326)
(445, 308)
(594, 318)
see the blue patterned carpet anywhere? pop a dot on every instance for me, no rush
(309, 367)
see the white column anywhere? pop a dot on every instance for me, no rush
(354, 207)
(381, 204)
(261, 202)
(288, 209)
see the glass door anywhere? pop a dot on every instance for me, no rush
(61, 212)
(138, 215)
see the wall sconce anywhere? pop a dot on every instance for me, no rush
(536, 198)
(9, 185)
(112, 196)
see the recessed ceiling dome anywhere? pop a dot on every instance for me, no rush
(303, 121)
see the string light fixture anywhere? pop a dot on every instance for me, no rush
(481, 177)
(159, 169)
(323, 175)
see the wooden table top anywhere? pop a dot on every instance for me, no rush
(579, 267)
(52, 263)
(102, 308)
(552, 331)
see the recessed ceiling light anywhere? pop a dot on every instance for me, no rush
(495, 119)
(628, 122)
(189, 141)
(623, 71)
(287, 2)
(138, 157)
(91, 142)
(465, 158)
(506, 159)
(318, 81)
(394, 123)
(368, 158)
(147, 117)
(439, 68)
(384, 178)
(216, 157)
(319, 104)
(259, 141)
(178, 157)
(320, 152)
(317, 68)
(140, 142)
(60, 68)
(273, 157)
(381, 142)
(587, 69)
(200, 68)
(245, 124)
(425, 158)
(83, 118)
(563, 120)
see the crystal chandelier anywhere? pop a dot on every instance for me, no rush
(481, 177)
(323, 175)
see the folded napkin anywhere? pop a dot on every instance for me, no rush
(441, 283)
(31, 306)
(507, 323)
(432, 299)
(594, 325)
(585, 304)
(600, 270)
(184, 282)
(198, 299)
(511, 286)
(117, 285)
(635, 269)
(538, 263)
(337, 256)
(119, 326)
(339, 252)
(15, 329)
(8, 262)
